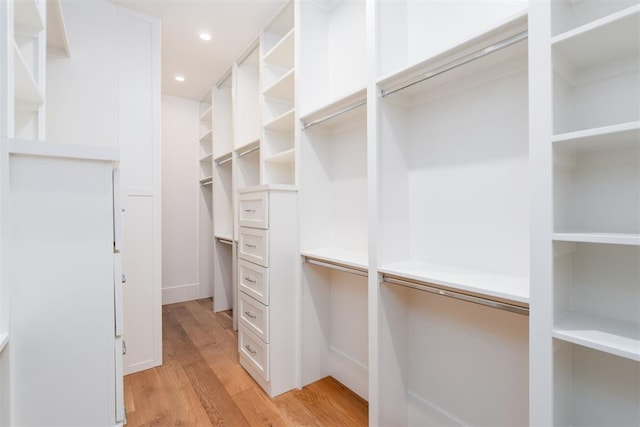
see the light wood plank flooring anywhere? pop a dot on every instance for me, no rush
(201, 382)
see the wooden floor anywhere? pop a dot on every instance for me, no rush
(201, 382)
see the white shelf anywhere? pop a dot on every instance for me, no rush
(599, 333)
(249, 146)
(206, 158)
(206, 180)
(282, 54)
(206, 116)
(601, 41)
(357, 260)
(283, 88)
(57, 40)
(601, 138)
(477, 282)
(27, 13)
(206, 137)
(283, 123)
(55, 149)
(4, 340)
(607, 238)
(286, 156)
(26, 88)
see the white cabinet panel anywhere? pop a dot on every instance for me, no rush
(253, 280)
(254, 245)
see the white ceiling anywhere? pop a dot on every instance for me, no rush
(232, 23)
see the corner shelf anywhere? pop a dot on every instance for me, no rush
(599, 333)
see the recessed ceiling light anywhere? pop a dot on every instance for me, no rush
(180, 78)
(205, 36)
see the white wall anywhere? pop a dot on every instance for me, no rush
(183, 278)
(82, 91)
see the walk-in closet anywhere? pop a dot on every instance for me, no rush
(320, 212)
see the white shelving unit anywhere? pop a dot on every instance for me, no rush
(333, 51)
(453, 203)
(588, 154)
(333, 210)
(206, 146)
(278, 81)
(28, 56)
(223, 193)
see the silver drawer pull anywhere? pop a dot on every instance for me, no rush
(249, 245)
(124, 347)
(124, 278)
(250, 280)
(249, 349)
(250, 210)
(250, 314)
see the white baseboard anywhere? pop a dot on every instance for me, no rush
(180, 293)
(349, 371)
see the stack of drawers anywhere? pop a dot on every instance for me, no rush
(267, 272)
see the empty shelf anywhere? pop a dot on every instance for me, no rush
(610, 238)
(356, 260)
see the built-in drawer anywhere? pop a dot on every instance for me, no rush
(253, 280)
(255, 316)
(253, 245)
(253, 351)
(254, 210)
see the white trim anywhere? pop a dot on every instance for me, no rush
(180, 293)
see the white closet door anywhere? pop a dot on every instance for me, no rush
(139, 130)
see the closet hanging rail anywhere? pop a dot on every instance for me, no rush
(223, 161)
(249, 151)
(481, 53)
(223, 79)
(247, 53)
(457, 295)
(307, 125)
(338, 267)
(224, 241)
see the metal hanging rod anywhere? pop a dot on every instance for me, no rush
(222, 162)
(481, 53)
(247, 53)
(223, 79)
(307, 125)
(458, 295)
(249, 151)
(338, 267)
(224, 241)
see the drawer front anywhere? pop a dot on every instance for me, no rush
(253, 245)
(253, 280)
(254, 210)
(254, 351)
(255, 316)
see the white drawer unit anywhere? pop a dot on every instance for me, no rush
(253, 245)
(253, 280)
(254, 210)
(268, 260)
(253, 351)
(254, 316)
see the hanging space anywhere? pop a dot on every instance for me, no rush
(453, 199)
(333, 194)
